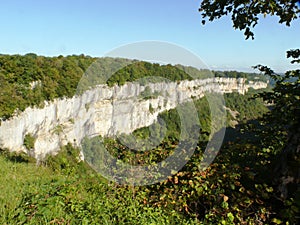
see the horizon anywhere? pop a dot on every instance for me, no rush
(94, 28)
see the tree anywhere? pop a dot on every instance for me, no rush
(283, 121)
(283, 125)
(245, 14)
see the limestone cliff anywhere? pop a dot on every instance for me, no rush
(105, 111)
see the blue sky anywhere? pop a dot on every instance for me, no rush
(94, 27)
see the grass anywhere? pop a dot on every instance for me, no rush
(16, 179)
(32, 194)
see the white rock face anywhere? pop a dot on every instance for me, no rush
(105, 111)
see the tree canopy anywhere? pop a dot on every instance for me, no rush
(245, 14)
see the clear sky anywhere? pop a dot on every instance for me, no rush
(94, 27)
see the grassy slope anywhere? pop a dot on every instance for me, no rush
(33, 194)
(16, 179)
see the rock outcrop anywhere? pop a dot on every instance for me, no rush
(105, 111)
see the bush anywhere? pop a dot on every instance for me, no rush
(29, 141)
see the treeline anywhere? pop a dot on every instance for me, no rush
(29, 80)
(141, 69)
(54, 77)
(236, 74)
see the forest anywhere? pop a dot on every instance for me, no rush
(29, 80)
